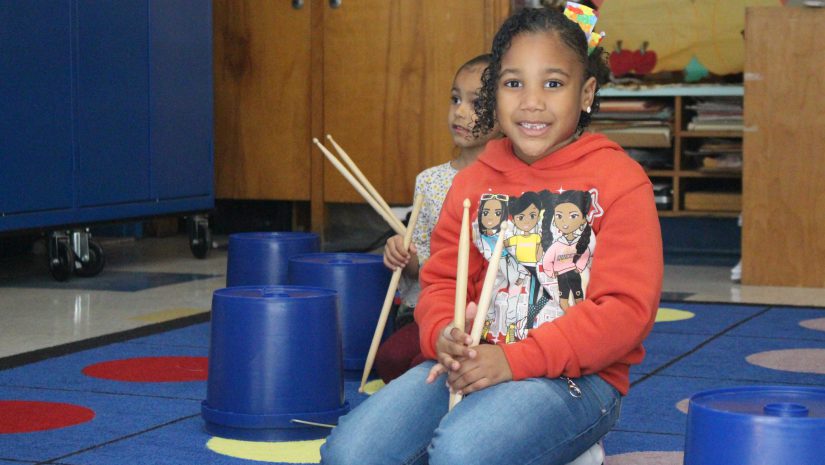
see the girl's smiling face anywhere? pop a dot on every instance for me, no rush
(541, 94)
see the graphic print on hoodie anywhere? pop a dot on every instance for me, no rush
(545, 261)
(603, 332)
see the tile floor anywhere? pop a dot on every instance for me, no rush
(152, 280)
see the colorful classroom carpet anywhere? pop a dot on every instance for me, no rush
(135, 398)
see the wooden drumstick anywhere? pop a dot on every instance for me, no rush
(385, 310)
(388, 217)
(461, 276)
(364, 181)
(486, 292)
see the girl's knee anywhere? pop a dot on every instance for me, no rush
(341, 451)
(452, 449)
(443, 456)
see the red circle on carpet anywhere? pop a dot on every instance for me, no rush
(23, 416)
(151, 369)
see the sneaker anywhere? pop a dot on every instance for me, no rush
(736, 272)
(592, 456)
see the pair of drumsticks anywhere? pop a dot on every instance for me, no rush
(461, 283)
(362, 185)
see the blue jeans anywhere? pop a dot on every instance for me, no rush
(534, 421)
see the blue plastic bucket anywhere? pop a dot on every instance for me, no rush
(756, 425)
(274, 361)
(361, 281)
(262, 258)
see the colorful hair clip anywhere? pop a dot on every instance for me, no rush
(586, 18)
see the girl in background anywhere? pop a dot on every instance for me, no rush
(401, 350)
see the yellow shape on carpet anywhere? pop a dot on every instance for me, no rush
(275, 452)
(373, 386)
(672, 314)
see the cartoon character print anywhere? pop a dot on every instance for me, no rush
(569, 242)
(492, 214)
(525, 244)
(545, 263)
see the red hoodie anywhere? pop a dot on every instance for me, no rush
(612, 299)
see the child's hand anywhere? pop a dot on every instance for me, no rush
(453, 345)
(436, 371)
(489, 367)
(395, 255)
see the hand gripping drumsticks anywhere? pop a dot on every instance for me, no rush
(461, 276)
(486, 293)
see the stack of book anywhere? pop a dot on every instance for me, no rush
(716, 155)
(635, 122)
(716, 114)
(713, 201)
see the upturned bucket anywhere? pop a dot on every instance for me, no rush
(756, 425)
(262, 258)
(274, 363)
(361, 281)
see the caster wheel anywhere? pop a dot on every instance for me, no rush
(95, 264)
(200, 237)
(60, 260)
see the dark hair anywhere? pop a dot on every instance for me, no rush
(519, 204)
(532, 20)
(504, 213)
(580, 199)
(548, 203)
(483, 59)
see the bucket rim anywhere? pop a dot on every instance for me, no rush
(275, 292)
(280, 235)
(816, 394)
(320, 257)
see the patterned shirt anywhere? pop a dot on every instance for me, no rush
(433, 183)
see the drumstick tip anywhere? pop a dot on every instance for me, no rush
(329, 136)
(466, 203)
(315, 140)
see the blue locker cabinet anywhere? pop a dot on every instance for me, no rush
(107, 116)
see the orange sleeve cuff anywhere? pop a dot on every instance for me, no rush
(544, 353)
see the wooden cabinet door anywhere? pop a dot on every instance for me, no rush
(387, 70)
(262, 57)
(783, 224)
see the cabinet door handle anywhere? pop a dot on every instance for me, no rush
(297, 4)
(335, 3)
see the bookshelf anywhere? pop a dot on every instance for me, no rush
(698, 170)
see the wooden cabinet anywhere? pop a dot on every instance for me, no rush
(783, 224)
(672, 151)
(375, 74)
(263, 85)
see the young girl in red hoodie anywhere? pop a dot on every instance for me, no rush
(548, 393)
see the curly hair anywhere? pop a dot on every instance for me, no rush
(532, 20)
